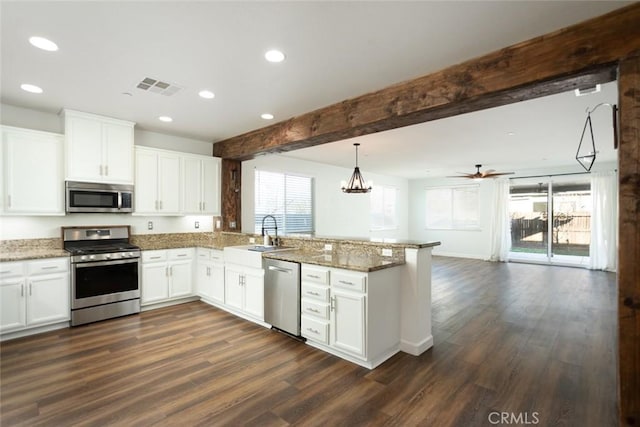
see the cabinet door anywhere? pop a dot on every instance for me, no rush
(34, 181)
(191, 187)
(48, 299)
(146, 196)
(211, 186)
(204, 282)
(233, 287)
(155, 282)
(217, 282)
(348, 322)
(84, 149)
(117, 153)
(169, 183)
(254, 294)
(12, 305)
(180, 273)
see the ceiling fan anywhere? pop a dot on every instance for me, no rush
(489, 173)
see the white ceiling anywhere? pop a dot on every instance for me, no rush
(335, 51)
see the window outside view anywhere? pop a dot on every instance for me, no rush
(565, 229)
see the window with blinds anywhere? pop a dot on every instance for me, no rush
(453, 208)
(289, 198)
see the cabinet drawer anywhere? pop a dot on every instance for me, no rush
(316, 309)
(354, 282)
(48, 266)
(316, 330)
(315, 275)
(182, 253)
(204, 254)
(217, 256)
(10, 269)
(154, 256)
(319, 293)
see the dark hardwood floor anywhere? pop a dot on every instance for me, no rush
(520, 343)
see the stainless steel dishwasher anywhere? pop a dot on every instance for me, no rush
(282, 295)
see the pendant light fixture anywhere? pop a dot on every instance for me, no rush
(586, 154)
(356, 184)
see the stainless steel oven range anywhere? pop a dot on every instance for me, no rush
(105, 273)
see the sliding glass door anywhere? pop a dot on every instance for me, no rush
(551, 221)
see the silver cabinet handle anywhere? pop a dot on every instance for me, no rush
(344, 282)
(160, 204)
(313, 331)
(333, 301)
(5, 271)
(51, 267)
(166, 272)
(30, 288)
(106, 170)
(180, 255)
(22, 289)
(171, 271)
(313, 276)
(204, 206)
(317, 294)
(155, 257)
(313, 310)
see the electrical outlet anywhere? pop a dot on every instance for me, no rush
(232, 224)
(218, 224)
(197, 224)
(150, 225)
(328, 247)
(252, 240)
(387, 252)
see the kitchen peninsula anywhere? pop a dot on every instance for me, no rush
(388, 281)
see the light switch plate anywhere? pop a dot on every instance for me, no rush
(387, 252)
(252, 240)
(197, 224)
(232, 224)
(150, 225)
(328, 247)
(218, 224)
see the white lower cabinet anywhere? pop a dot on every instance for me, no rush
(351, 314)
(244, 290)
(166, 275)
(34, 293)
(210, 275)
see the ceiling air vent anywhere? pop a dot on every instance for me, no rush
(158, 86)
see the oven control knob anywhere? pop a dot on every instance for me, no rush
(91, 256)
(107, 256)
(83, 257)
(130, 254)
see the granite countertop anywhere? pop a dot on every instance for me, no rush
(27, 254)
(345, 260)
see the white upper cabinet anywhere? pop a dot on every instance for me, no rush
(32, 179)
(157, 181)
(98, 149)
(201, 185)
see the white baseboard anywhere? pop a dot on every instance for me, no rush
(33, 331)
(418, 348)
(458, 255)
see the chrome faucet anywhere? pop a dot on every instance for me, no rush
(275, 227)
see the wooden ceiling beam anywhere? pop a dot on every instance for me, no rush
(581, 55)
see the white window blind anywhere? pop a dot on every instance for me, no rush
(453, 208)
(288, 198)
(383, 208)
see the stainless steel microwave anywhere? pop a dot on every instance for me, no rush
(97, 197)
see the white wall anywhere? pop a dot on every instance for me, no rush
(336, 214)
(28, 227)
(473, 243)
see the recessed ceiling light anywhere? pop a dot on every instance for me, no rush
(274, 56)
(31, 88)
(587, 90)
(44, 44)
(165, 119)
(206, 94)
(511, 133)
(267, 116)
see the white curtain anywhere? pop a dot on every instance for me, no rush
(604, 219)
(501, 223)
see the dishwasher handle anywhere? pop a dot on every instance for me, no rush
(280, 269)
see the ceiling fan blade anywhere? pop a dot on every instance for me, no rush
(489, 175)
(462, 175)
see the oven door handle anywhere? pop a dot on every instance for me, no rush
(108, 262)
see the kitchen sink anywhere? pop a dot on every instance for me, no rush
(250, 255)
